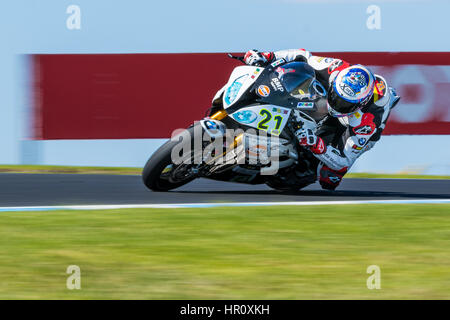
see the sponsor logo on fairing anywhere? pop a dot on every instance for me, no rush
(245, 116)
(276, 84)
(233, 90)
(278, 110)
(257, 71)
(277, 63)
(263, 91)
(211, 125)
(281, 71)
(305, 105)
(362, 141)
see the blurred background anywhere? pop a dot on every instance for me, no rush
(104, 83)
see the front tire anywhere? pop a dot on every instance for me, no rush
(153, 174)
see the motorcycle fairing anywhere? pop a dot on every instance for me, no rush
(269, 118)
(240, 80)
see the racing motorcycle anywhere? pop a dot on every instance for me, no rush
(249, 133)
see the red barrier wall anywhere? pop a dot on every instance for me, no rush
(120, 96)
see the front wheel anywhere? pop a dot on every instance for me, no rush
(160, 174)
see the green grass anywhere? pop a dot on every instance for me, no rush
(138, 171)
(316, 252)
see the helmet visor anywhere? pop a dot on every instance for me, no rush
(339, 107)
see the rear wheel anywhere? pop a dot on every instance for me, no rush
(280, 185)
(161, 174)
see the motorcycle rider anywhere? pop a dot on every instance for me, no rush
(358, 102)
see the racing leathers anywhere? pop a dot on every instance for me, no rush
(339, 141)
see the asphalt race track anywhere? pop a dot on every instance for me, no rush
(78, 189)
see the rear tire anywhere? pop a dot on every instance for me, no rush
(280, 185)
(151, 175)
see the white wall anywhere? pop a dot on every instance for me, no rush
(407, 154)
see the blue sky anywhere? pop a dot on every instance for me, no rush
(31, 26)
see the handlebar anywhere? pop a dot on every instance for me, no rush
(241, 59)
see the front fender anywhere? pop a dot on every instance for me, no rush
(214, 128)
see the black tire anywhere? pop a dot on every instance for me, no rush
(283, 186)
(161, 158)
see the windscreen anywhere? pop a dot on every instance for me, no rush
(299, 80)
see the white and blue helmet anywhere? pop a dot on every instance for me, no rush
(350, 90)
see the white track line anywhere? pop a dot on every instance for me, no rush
(224, 204)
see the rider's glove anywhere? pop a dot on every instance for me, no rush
(307, 138)
(328, 178)
(256, 58)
